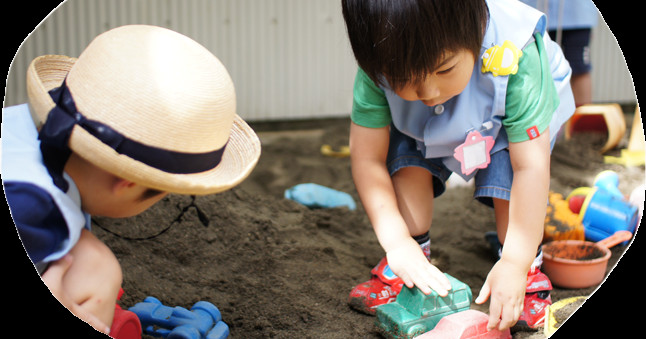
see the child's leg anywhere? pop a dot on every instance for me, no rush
(501, 212)
(416, 180)
(493, 189)
(414, 190)
(537, 295)
(94, 278)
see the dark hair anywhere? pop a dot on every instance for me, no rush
(404, 40)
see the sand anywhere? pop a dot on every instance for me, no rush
(277, 269)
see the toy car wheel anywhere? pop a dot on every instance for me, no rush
(543, 294)
(208, 308)
(219, 331)
(184, 332)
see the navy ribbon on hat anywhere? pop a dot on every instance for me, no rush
(55, 133)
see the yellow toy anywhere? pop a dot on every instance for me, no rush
(634, 155)
(501, 60)
(560, 222)
(344, 151)
(550, 321)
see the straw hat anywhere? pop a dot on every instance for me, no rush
(160, 89)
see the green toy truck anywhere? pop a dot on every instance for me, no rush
(414, 313)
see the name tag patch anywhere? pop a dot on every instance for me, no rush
(474, 152)
(532, 132)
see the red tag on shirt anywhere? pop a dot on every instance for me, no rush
(532, 132)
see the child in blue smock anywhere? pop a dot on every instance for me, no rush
(142, 112)
(473, 88)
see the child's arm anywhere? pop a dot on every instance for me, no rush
(89, 283)
(506, 282)
(368, 149)
(53, 279)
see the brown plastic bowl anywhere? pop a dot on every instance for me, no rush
(575, 263)
(579, 264)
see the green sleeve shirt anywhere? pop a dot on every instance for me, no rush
(531, 97)
(369, 105)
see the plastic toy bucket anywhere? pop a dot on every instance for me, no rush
(579, 264)
(603, 213)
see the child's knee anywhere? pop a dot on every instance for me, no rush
(95, 263)
(109, 265)
(95, 277)
(413, 174)
(106, 262)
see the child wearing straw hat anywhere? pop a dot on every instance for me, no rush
(143, 112)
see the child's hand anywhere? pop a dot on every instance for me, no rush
(506, 284)
(409, 263)
(53, 278)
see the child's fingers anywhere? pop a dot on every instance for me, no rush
(89, 318)
(430, 278)
(511, 317)
(414, 269)
(501, 316)
(507, 318)
(495, 311)
(484, 294)
(441, 278)
(410, 283)
(495, 308)
(439, 282)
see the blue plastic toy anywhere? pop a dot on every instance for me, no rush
(603, 208)
(203, 321)
(317, 196)
(609, 181)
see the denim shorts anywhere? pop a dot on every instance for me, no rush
(491, 182)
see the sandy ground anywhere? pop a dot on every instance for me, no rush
(277, 269)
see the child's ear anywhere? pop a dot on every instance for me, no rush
(121, 186)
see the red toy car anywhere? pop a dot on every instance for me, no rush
(469, 324)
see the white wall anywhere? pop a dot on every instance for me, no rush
(288, 58)
(611, 79)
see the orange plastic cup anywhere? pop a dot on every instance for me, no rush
(579, 264)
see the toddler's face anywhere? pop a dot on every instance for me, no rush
(447, 81)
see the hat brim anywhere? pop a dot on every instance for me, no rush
(240, 156)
